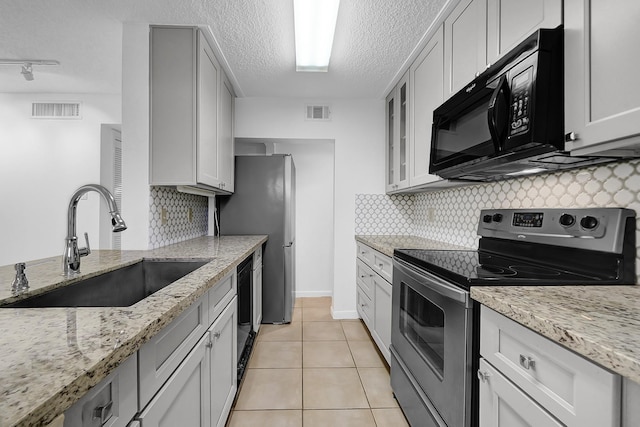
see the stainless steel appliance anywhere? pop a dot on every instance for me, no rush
(509, 120)
(246, 334)
(435, 327)
(264, 203)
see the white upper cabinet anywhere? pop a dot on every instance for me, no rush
(426, 83)
(225, 136)
(602, 93)
(511, 21)
(397, 137)
(191, 112)
(465, 44)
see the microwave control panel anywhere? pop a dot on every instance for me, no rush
(521, 86)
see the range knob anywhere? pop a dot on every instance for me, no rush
(497, 217)
(567, 220)
(589, 222)
(486, 218)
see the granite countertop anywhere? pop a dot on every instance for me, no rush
(386, 244)
(601, 323)
(50, 357)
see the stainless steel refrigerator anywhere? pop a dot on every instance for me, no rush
(264, 203)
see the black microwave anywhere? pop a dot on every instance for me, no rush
(509, 120)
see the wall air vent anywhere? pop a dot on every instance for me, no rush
(317, 112)
(55, 110)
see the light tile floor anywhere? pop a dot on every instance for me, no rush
(316, 372)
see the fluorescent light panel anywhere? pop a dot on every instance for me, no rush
(315, 25)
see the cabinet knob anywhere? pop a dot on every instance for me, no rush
(571, 136)
(483, 375)
(216, 334)
(527, 362)
(103, 413)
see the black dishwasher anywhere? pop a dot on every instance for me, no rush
(246, 334)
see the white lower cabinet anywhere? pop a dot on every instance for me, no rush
(257, 289)
(382, 316)
(502, 404)
(111, 403)
(223, 364)
(184, 399)
(527, 379)
(374, 272)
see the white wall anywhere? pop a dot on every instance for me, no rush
(135, 135)
(357, 127)
(314, 214)
(42, 162)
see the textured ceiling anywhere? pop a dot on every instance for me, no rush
(373, 40)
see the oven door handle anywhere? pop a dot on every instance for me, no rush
(434, 283)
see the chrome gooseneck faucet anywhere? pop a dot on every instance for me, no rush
(72, 254)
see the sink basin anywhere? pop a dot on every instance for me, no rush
(118, 288)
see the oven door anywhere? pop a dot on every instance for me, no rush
(432, 337)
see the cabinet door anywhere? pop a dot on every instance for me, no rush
(427, 87)
(225, 136)
(465, 41)
(382, 315)
(630, 407)
(172, 70)
(511, 21)
(602, 93)
(184, 399)
(223, 363)
(502, 404)
(207, 141)
(390, 151)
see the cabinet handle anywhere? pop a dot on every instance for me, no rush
(483, 375)
(103, 413)
(216, 334)
(571, 136)
(381, 265)
(527, 362)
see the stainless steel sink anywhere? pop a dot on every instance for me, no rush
(119, 288)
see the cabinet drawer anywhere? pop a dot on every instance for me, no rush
(571, 388)
(502, 404)
(365, 253)
(221, 293)
(383, 265)
(115, 398)
(364, 307)
(163, 353)
(365, 277)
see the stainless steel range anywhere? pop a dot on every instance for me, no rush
(435, 324)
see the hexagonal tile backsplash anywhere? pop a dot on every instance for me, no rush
(451, 215)
(177, 227)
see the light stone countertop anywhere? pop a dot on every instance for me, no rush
(50, 357)
(386, 244)
(601, 323)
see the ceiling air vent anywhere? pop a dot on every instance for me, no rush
(55, 110)
(318, 112)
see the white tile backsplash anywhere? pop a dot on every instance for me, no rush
(451, 215)
(178, 227)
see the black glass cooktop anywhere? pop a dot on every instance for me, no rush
(472, 268)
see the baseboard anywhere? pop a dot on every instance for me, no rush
(344, 314)
(313, 294)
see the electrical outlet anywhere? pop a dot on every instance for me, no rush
(164, 216)
(190, 214)
(431, 215)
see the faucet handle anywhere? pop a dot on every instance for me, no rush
(85, 251)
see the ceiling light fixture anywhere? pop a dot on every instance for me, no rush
(27, 65)
(315, 24)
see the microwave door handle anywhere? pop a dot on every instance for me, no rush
(496, 129)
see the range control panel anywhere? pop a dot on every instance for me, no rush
(591, 228)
